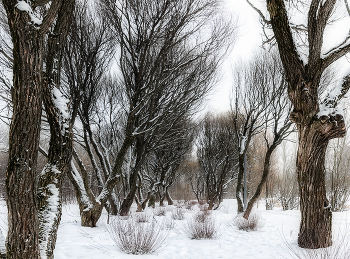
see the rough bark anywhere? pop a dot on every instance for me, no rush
(316, 216)
(22, 238)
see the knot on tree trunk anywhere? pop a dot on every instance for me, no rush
(332, 126)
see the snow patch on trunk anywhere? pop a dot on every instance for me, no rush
(49, 214)
(62, 105)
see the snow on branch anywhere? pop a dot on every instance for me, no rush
(25, 7)
(329, 106)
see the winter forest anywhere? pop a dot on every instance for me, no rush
(109, 147)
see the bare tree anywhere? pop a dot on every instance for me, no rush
(217, 153)
(318, 119)
(192, 172)
(275, 125)
(167, 159)
(166, 68)
(87, 58)
(257, 109)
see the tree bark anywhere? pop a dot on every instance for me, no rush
(61, 136)
(239, 187)
(127, 202)
(316, 216)
(22, 238)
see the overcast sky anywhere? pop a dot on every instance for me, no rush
(248, 40)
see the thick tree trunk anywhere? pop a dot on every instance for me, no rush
(316, 216)
(22, 238)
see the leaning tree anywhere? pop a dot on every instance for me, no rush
(167, 63)
(318, 120)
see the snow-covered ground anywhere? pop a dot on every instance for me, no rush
(278, 230)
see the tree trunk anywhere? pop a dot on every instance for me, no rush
(152, 201)
(263, 181)
(22, 238)
(239, 187)
(168, 198)
(316, 216)
(127, 202)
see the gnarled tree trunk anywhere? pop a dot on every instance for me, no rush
(316, 216)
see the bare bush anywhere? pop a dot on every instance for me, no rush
(178, 214)
(142, 217)
(168, 223)
(160, 211)
(133, 237)
(201, 226)
(250, 224)
(189, 206)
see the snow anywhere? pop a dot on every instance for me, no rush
(61, 102)
(279, 229)
(25, 7)
(242, 146)
(84, 197)
(49, 216)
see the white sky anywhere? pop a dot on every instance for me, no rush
(248, 40)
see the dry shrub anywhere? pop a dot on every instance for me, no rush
(201, 202)
(201, 216)
(178, 214)
(141, 217)
(201, 226)
(160, 211)
(193, 202)
(137, 238)
(188, 206)
(168, 223)
(339, 250)
(250, 224)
